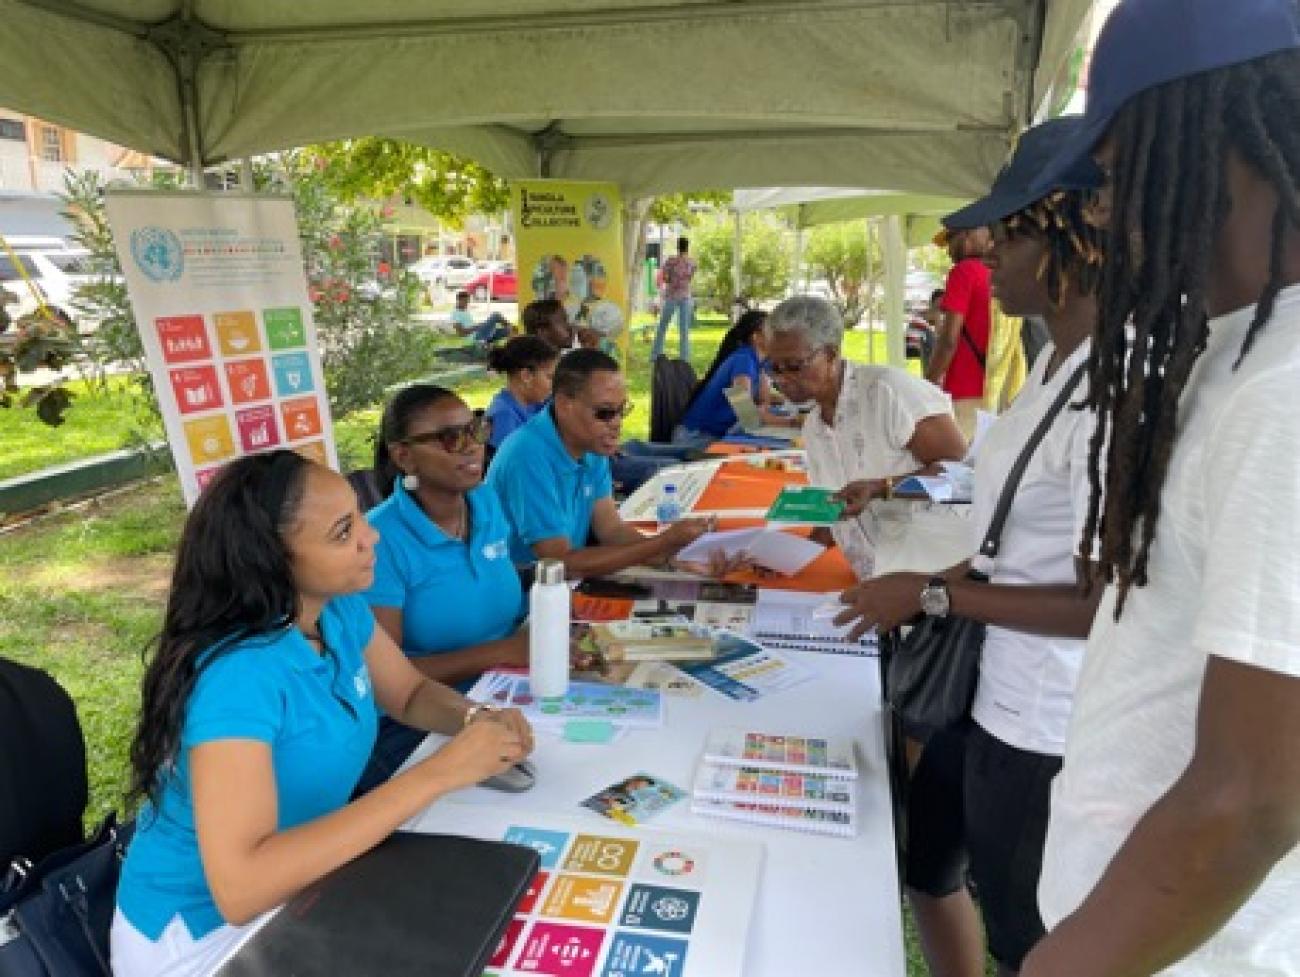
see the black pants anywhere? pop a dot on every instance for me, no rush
(935, 862)
(1008, 798)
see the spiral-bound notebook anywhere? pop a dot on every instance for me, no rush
(841, 823)
(785, 620)
(825, 756)
(778, 788)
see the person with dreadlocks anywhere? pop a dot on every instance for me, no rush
(1172, 844)
(982, 789)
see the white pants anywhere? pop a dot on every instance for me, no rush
(175, 953)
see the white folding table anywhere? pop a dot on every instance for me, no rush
(825, 905)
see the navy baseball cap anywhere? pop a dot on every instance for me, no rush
(1147, 43)
(1014, 189)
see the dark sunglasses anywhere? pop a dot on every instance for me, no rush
(455, 439)
(607, 414)
(777, 369)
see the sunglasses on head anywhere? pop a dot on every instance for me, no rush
(607, 414)
(456, 438)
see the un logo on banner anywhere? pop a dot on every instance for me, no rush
(157, 253)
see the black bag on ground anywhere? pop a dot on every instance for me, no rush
(931, 673)
(55, 916)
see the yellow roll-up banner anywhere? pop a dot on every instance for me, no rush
(569, 246)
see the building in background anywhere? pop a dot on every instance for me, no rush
(35, 155)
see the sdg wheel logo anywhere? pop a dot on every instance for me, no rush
(157, 253)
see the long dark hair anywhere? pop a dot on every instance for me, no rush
(232, 581)
(396, 425)
(739, 335)
(1170, 201)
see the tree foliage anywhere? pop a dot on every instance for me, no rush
(685, 208)
(764, 260)
(851, 265)
(368, 338)
(447, 186)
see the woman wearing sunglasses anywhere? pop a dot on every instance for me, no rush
(445, 589)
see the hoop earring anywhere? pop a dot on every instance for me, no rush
(410, 482)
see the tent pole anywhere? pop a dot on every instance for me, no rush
(895, 281)
(871, 292)
(799, 276)
(736, 265)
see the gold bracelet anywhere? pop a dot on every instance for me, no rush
(479, 708)
(889, 487)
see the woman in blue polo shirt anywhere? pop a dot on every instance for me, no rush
(258, 714)
(445, 588)
(528, 364)
(738, 363)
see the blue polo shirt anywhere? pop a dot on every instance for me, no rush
(710, 413)
(508, 415)
(317, 713)
(452, 594)
(544, 492)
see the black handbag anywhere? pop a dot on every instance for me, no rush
(55, 916)
(931, 673)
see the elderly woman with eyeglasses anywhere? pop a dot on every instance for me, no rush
(871, 426)
(445, 588)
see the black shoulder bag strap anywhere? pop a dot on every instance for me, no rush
(980, 355)
(993, 538)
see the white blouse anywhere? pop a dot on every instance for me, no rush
(875, 419)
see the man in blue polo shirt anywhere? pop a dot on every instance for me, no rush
(552, 476)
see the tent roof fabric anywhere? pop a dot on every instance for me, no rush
(657, 95)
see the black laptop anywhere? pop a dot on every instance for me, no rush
(416, 906)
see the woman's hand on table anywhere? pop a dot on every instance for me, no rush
(856, 495)
(882, 603)
(490, 744)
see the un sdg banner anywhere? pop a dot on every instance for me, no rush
(220, 299)
(569, 246)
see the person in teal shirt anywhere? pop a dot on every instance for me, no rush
(528, 364)
(258, 714)
(553, 477)
(445, 589)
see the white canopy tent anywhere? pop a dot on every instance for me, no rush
(656, 95)
(906, 220)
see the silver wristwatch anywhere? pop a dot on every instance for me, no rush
(935, 600)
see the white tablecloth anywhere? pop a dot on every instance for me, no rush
(826, 905)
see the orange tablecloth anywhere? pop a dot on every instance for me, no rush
(739, 485)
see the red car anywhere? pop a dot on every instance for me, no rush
(504, 285)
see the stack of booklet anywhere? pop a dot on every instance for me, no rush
(805, 783)
(641, 641)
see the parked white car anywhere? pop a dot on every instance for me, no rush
(444, 270)
(55, 274)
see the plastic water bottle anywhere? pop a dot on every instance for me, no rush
(548, 631)
(669, 509)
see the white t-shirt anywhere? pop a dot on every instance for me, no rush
(1224, 577)
(1026, 685)
(875, 419)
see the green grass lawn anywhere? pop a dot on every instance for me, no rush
(96, 423)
